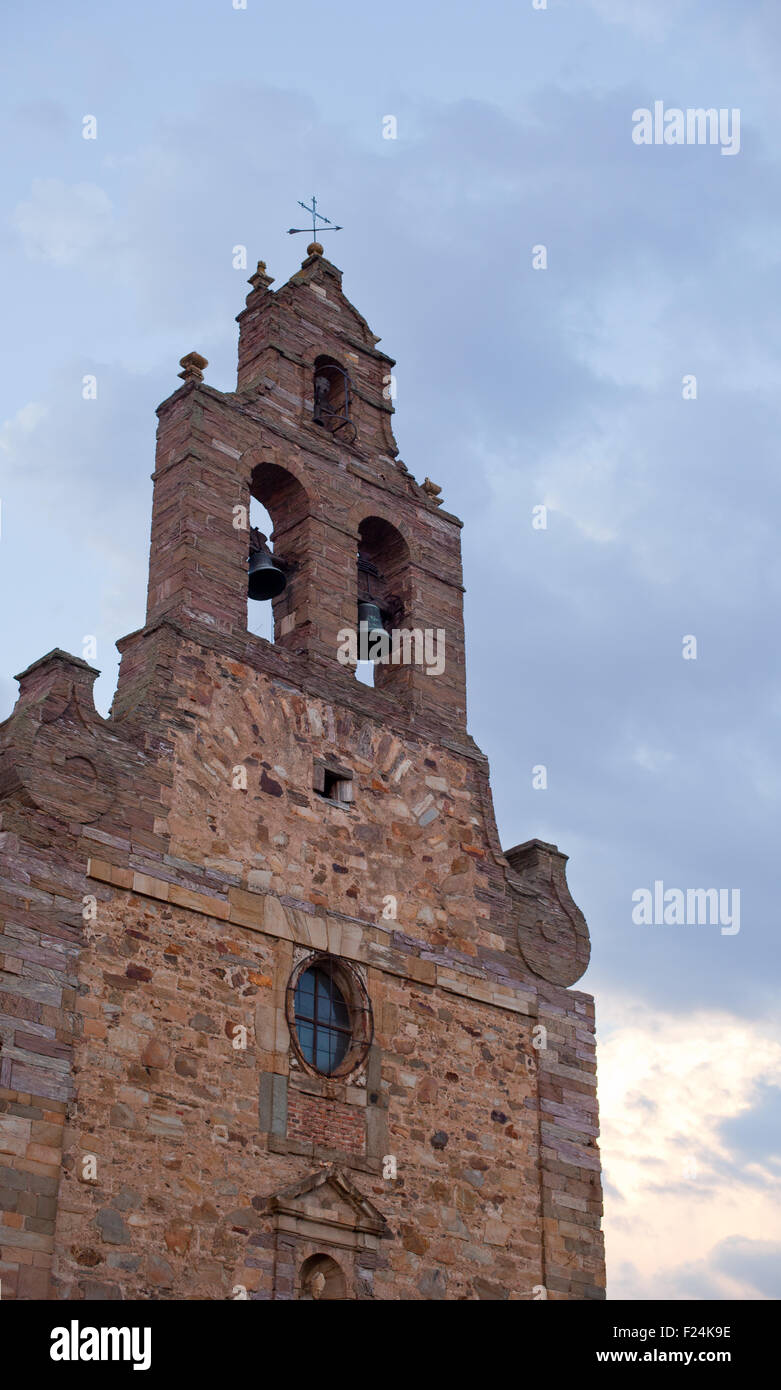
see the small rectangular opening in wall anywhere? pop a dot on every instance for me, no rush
(337, 787)
(334, 783)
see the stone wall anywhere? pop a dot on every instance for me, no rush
(177, 1139)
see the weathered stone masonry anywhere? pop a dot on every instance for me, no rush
(167, 873)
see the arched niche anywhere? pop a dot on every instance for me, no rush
(322, 1279)
(286, 502)
(332, 407)
(383, 546)
(383, 564)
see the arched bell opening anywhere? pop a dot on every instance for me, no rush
(383, 564)
(331, 398)
(277, 550)
(321, 1278)
(260, 614)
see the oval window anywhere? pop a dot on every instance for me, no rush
(329, 1015)
(322, 1019)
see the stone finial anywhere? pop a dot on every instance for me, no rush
(314, 249)
(193, 365)
(432, 490)
(52, 679)
(260, 280)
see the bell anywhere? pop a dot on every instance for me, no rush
(369, 616)
(266, 579)
(369, 624)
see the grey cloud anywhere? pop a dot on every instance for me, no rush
(756, 1263)
(755, 1134)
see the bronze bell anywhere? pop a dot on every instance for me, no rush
(266, 579)
(369, 626)
(369, 615)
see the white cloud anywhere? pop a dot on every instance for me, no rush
(64, 223)
(651, 759)
(674, 1190)
(23, 423)
(650, 19)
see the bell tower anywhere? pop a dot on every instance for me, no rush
(281, 1015)
(308, 433)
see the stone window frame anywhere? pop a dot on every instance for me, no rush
(352, 986)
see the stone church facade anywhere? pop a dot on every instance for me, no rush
(279, 1018)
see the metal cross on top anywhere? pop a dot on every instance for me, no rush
(316, 216)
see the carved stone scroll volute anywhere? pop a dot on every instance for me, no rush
(552, 932)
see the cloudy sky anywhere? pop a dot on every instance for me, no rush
(517, 388)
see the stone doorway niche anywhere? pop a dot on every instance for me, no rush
(327, 1239)
(321, 1278)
